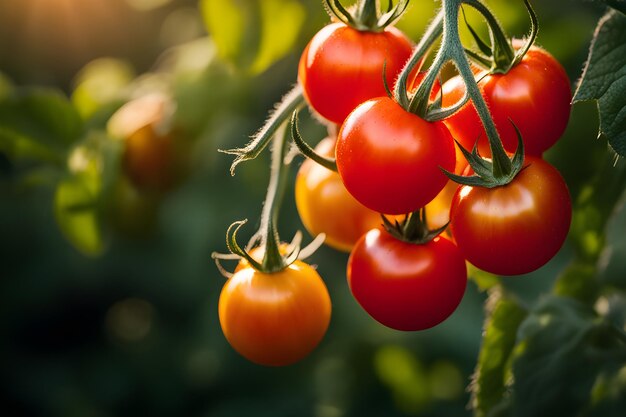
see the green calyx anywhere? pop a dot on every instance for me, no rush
(501, 169)
(267, 237)
(305, 149)
(366, 15)
(413, 229)
(492, 173)
(500, 56)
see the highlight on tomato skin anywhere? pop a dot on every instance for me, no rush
(342, 67)
(390, 160)
(325, 206)
(517, 228)
(275, 319)
(535, 94)
(406, 286)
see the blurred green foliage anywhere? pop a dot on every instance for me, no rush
(134, 330)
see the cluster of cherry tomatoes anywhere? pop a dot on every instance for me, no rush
(406, 271)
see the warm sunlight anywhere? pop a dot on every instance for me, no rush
(62, 35)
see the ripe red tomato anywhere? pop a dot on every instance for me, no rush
(325, 206)
(535, 94)
(342, 67)
(275, 319)
(390, 159)
(516, 228)
(406, 286)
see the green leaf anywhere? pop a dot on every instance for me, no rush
(578, 281)
(38, 124)
(484, 280)
(82, 195)
(76, 213)
(281, 23)
(490, 380)
(593, 208)
(101, 83)
(604, 78)
(6, 86)
(613, 259)
(563, 349)
(609, 394)
(253, 34)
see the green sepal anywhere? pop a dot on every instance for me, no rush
(387, 89)
(479, 59)
(484, 168)
(501, 51)
(335, 9)
(435, 113)
(413, 229)
(233, 246)
(393, 14)
(534, 28)
(366, 14)
(306, 150)
(482, 45)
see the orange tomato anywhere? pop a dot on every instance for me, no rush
(275, 319)
(325, 206)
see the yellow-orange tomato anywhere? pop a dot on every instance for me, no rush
(438, 210)
(325, 206)
(275, 319)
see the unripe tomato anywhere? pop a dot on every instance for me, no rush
(516, 228)
(275, 319)
(535, 94)
(406, 286)
(325, 206)
(342, 67)
(152, 156)
(148, 160)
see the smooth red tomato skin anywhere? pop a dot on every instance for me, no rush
(342, 67)
(535, 95)
(406, 286)
(390, 160)
(517, 228)
(325, 206)
(275, 319)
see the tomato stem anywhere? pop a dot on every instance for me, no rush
(501, 169)
(452, 49)
(367, 12)
(306, 150)
(273, 261)
(433, 31)
(293, 100)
